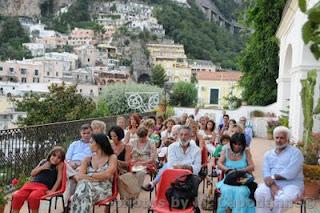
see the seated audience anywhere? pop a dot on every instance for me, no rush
(283, 175)
(134, 122)
(248, 132)
(122, 151)
(98, 127)
(121, 121)
(167, 133)
(79, 149)
(209, 136)
(159, 124)
(95, 175)
(222, 128)
(46, 178)
(143, 151)
(195, 136)
(183, 119)
(235, 158)
(182, 154)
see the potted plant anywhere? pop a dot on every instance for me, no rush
(311, 141)
(271, 124)
(3, 199)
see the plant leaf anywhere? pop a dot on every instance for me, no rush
(303, 5)
(307, 32)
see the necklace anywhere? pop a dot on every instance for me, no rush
(235, 154)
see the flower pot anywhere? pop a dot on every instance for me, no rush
(162, 107)
(2, 209)
(269, 136)
(311, 189)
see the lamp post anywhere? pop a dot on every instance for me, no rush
(166, 90)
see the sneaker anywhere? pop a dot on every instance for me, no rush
(147, 187)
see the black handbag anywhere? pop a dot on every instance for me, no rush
(203, 172)
(182, 193)
(233, 178)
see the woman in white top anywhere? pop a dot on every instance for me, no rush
(209, 136)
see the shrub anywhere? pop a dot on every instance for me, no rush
(184, 94)
(115, 96)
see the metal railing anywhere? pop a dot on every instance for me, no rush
(21, 149)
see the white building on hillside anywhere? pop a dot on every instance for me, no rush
(295, 62)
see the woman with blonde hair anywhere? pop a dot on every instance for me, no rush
(98, 127)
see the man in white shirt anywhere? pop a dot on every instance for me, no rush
(283, 175)
(182, 154)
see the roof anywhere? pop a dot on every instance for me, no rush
(219, 76)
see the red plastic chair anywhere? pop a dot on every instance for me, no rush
(59, 193)
(113, 197)
(161, 204)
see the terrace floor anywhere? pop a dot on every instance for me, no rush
(259, 147)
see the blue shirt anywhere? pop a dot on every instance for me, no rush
(288, 164)
(248, 134)
(192, 156)
(78, 150)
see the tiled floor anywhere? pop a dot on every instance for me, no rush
(259, 147)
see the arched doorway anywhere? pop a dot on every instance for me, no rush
(143, 78)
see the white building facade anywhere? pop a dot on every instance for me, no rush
(296, 60)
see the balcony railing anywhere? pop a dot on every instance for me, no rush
(21, 149)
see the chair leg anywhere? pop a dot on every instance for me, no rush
(305, 206)
(49, 210)
(55, 204)
(28, 207)
(62, 201)
(204, 183)
(117, 208)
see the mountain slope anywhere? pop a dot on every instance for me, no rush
(202, 39)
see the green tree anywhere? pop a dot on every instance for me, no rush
(259, 61)
(12, 36)
(62, 103)
(201, 38)
(184, 94)
(115, 96)
(158, 76)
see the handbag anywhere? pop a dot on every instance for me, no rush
(203, 172)
(182, 193)
(235, 178)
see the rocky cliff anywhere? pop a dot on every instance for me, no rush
(30, 8)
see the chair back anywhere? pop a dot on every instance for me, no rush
(167, 177)
(115, 191)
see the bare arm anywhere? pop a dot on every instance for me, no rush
(221, 161)
(40, 167)
(84, 165)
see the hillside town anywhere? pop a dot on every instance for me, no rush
(90, 60)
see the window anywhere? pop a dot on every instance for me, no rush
(23, 80)
(48, 73)
(57, 74)
(214, 96)
(80, 90)
(23, 71)
(1, 68)
(36, 80)
(36, 72)
(11, 69)
(88, 59)
(86, 77)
